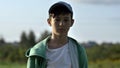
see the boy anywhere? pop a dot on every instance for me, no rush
(58, 50)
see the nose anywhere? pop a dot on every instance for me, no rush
(61, 23)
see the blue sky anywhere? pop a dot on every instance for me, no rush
(99, 21)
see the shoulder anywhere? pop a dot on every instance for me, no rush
(78, 45)
(75, 41)
(38, 49)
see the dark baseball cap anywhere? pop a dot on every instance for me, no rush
(61, 7)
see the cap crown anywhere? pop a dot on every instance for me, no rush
(61, 7)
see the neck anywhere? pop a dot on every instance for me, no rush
(59, 38)
(57, 41)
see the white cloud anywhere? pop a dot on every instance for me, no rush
(97, 1)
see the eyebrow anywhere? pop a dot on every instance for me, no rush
(59, 17)
(66, 17)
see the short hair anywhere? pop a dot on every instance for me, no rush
(60, 8)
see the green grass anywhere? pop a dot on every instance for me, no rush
(98, 64)
(105, 64)
(12, 65)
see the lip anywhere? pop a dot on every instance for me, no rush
(61, 30)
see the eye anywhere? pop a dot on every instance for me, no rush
(57, 19)
(66, 20)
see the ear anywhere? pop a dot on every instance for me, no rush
(72, 22)
(49, 22)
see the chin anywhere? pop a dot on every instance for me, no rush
(62, 34)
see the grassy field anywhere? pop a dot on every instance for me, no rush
(12, 65)
(105, 64)
(98, 64)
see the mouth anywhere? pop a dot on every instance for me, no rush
(62, 30)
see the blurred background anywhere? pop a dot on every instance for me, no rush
(23, 23)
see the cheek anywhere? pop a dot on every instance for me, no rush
(69, 25)
(54, 26)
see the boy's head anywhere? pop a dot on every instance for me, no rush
(60, 8)
(60, 18)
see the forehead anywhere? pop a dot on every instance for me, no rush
(63, 15)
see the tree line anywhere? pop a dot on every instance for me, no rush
(15, 52)
(104, 52)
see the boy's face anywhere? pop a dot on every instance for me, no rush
(60, 24)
